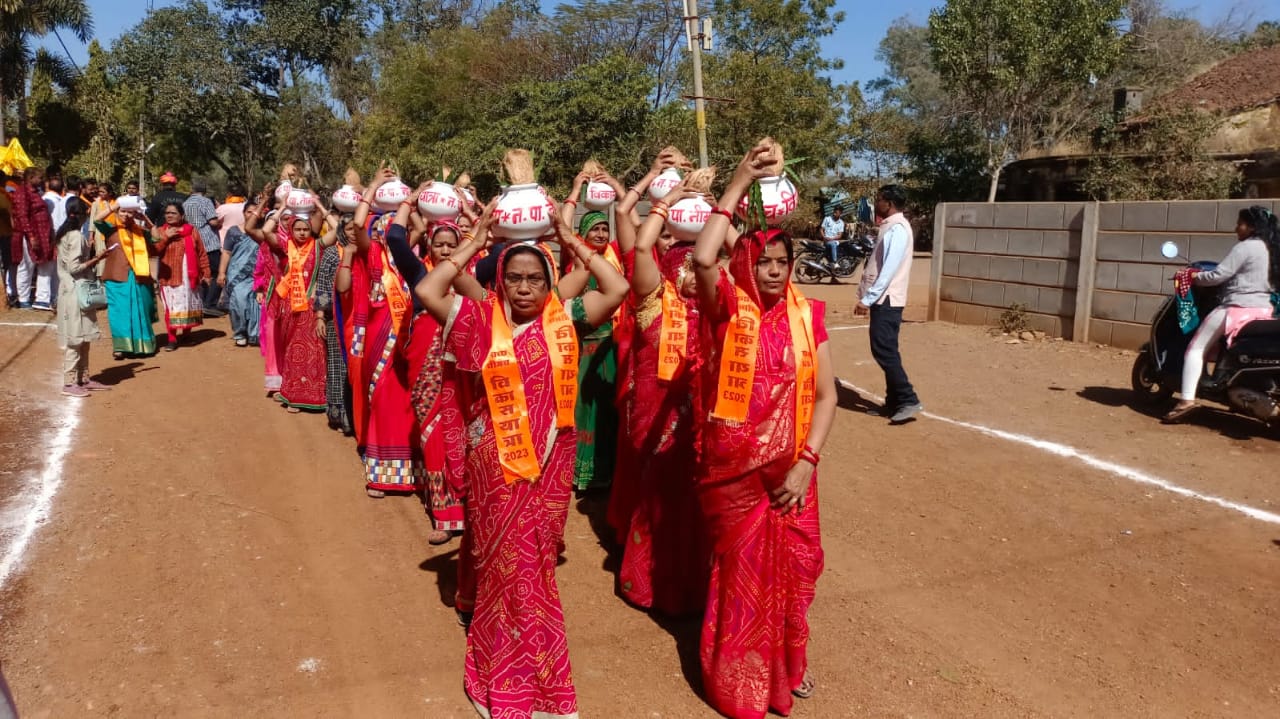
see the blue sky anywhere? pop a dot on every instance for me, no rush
(854, 42)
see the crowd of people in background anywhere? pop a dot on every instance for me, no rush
(685, 386)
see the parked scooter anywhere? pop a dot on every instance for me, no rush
(813, 263)
(1246, 377)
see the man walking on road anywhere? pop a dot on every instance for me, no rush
(833, 232)
(168, 193)
(883, 295)
(202, 215)
(32, 243)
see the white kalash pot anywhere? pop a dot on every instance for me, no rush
(523, 212)
(300, 202)
(389, 196)
(778, 196)
(686, 218)
(130, 203)
(471, 196)
(439, 202)
(283, 190)
(346, 199)
(599, 196)
(664, 183)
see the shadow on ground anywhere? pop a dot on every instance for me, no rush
(1213, 417)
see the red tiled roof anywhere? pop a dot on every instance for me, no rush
(1241, 82)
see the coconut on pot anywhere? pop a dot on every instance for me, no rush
(686, 218)
(523, 212)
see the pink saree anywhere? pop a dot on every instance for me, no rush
(517, 662)
(266, 273)
(765, 564)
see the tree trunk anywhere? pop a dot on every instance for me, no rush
(4, 103)
(995, 184)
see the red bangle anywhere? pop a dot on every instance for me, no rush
(362, 202)
(809, 456)
(571, 202)
(721, 211)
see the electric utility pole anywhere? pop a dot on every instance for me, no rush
(698, 35)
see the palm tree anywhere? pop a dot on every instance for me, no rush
(21, 22)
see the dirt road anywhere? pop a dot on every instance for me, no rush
(209, 555)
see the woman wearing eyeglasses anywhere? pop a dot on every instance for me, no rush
(516, 353)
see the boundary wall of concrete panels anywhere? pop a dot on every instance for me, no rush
(1085, 271)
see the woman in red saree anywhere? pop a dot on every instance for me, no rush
(516, 356)
(303, 369)
(379, 360)
(434, 393)
(769, 403)
(665, 559)
(183, 273)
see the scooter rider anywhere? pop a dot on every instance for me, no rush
(1248, 276)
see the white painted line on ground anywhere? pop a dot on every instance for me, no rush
(26, 324)
(43, 489)
(847, 327)
(1069, 452)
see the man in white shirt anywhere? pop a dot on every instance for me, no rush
(883, 295)
(833, 232)
(55, 200)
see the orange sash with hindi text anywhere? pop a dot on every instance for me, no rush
(674, 332)
(738, 361)
(294, 287)
(398, 299)
(504, 387)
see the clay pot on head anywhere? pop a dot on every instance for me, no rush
(523, 213)
(389, 196)
(778, 196)
(598, 196)
(346, 199)
(663, 183)
(300, 202)
(686, 218)
(439, 202)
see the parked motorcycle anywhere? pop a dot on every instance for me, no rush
(1246, 377)
(813, 263)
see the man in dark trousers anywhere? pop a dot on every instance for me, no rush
(168, 193)
(883, 294)
(202, 215)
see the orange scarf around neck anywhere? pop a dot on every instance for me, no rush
(738, 361)
(504, 387)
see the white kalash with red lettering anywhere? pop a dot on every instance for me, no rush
(346, 199)
(664, 183)
(439, 202)
(389, 196)
(523, 212)
(778, 196)
(599, 196)
(283, 190)
(686, 218)
(300, 202)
